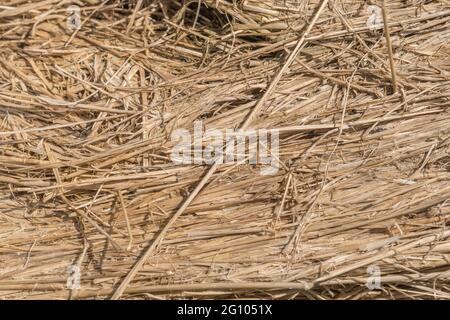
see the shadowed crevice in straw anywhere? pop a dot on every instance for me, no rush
(87, 183)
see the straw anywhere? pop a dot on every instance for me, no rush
(358, 208)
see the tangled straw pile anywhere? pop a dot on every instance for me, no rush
(86, 178)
